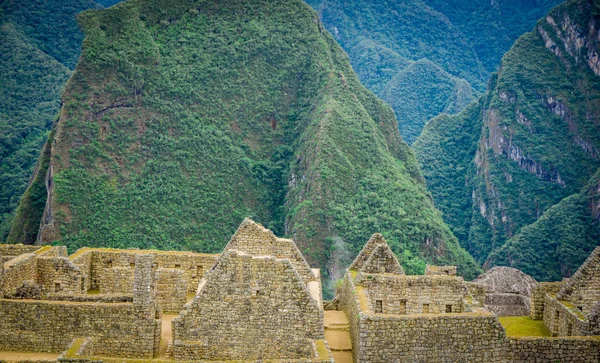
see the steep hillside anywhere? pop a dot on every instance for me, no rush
(39, 46)
(540, 134)
(182, 118)
(436, 92)
(459, 41)
(492, 27)
(559, 241)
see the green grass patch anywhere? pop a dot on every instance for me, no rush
(523, 326)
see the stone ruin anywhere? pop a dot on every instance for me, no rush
(257, 300)
(507, 290)
(260, 301)
(437, 317)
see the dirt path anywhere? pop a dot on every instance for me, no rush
(337, 334)
(21, 356)
(166, 334)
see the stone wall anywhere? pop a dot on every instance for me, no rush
(583, 288)
(59, 275)
(17, 271)
(119, 329)
(98, 264)
(402, 294)
(171, 292)
(249, 307)
(84, 262)
(538, 298)
(440, 270)
(254, 239)
(465, 337)
(49, 326)
(562, 320)
(116, 280)
(508, 304)
(350, 304)
(477, 291)
(16, 250)
(575, 349)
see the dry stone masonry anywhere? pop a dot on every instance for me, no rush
(437, 317)
(260, 301)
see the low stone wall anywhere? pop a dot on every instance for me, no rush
(101, 298)
(16, 250)
(508, 304)
(17, 271)
(402, 294)
(538, 298)
(59, 274)
(349, 304)
(434, 338)
(562, 350)
(116, 280)
(50, 326)
(171, 289)
(561, 320)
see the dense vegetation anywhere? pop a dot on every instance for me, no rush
(183, 117)
(39, 46)
(538, 143)
(559, 241)
(455, 43)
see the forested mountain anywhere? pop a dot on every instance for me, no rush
(532, 140)
(455, 43)
(40, 43)
(182, 118)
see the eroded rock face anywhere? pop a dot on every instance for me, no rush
(508, 291)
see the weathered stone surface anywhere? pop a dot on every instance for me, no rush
(387, 325)
(507, 280)
(508, 291)
(249, 307)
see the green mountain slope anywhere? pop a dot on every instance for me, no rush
(39, 46)
(436, 92)
(558, 242)
(182, 118)
(539, 137)
(492, 26)
(461, 41)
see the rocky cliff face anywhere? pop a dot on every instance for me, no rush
(540, 131)
(182, 118)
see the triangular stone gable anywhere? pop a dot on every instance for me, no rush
(249, 308)
(583, 288)
(368, 249)
(382, 260)
(256, 240)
